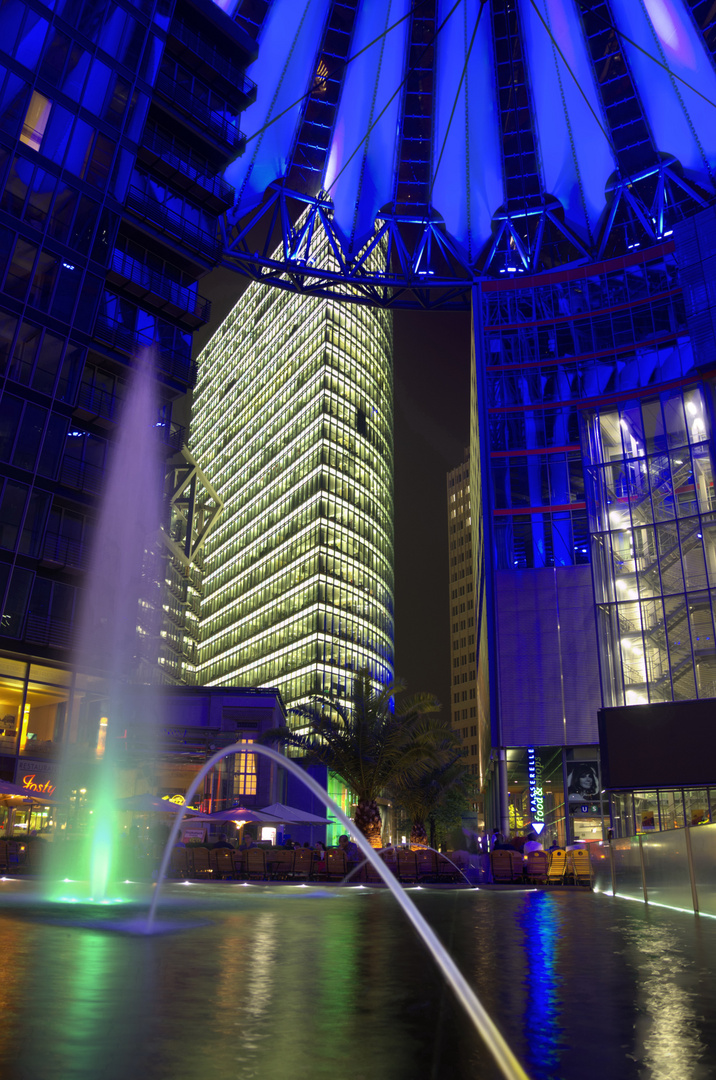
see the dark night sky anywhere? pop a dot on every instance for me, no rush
(432, 425)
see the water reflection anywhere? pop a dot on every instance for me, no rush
(540, 921)
(584, 988)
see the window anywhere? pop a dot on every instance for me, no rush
(36, 117)
(246, 773)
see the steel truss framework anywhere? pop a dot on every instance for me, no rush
(421, 264)
(422, 267)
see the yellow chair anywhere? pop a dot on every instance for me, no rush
(536, 866)
(557, 867)
(579, 867)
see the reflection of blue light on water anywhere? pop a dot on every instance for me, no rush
(540, 922)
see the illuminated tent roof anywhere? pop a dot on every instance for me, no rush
(466, 137)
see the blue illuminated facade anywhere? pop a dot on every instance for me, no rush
(549, 165)
(116, 121)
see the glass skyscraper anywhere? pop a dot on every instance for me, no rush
(116, 120)
(292, 422)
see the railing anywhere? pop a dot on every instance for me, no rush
(175, 224)
(180, 158)
(96, 401)
(199, 110)
(81, 476)
(169, 361)
(154, 282)
(231, 72)
(61, 550)
(673, 868)
(42, 630)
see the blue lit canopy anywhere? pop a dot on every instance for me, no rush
(470, 138)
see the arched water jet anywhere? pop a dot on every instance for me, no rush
(486, 1028)
(427, 847)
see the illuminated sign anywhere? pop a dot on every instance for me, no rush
(534, 778)
(31, 784)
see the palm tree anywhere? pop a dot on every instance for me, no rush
(371, 741)
(421, 798)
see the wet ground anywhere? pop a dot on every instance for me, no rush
(267, 983)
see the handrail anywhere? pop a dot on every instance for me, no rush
(231, 72)
(169, 361)
(199, 109)
(183, 160)
(153, 281)
(173, 223)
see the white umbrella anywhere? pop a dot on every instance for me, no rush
(291, 815)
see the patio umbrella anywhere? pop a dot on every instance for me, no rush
(10, 792)
(241, 814)
(291, 815)
(152, 804)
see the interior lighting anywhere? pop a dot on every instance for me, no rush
(691, 408)
(621, 584)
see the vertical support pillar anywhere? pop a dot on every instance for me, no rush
(567, 812)
(613, 868)
(504, 796)
(481, 503)
(692, 876)
(643, 870)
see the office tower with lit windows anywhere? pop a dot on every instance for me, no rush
(463, 681)
(292, 421)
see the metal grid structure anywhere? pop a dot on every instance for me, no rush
(525, 135)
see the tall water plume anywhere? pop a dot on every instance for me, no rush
(117, 641)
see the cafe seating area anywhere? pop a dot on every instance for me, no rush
(541, 867)
(303, 864)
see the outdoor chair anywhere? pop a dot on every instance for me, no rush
(390, 859)
(557, 867)
(407, 866)
(223, 863)
(536, 867)
(4, 861)
(579, 868)
(503, 870)
(336, 864)
(302, 863)
(280, 864)
(198, 862)
(239, 861)
(427, 864)
(178, 866)
(447, 871)
(255, 864)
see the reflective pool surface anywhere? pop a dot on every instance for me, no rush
(274, 982)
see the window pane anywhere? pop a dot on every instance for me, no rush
(36, 117)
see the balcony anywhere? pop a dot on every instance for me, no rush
(96, 405)
(210, 64)
(81, 476)
(199, 111)
(175, 161)
(166, 220)
(61, 551)
(157, 290)
(169, 362)
(42, 630)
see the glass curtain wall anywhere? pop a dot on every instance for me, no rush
(653, 534)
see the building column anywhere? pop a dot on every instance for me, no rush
(504, 797)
